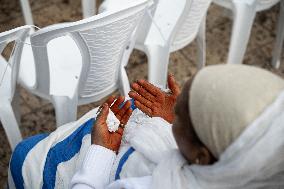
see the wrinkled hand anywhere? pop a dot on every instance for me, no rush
(101, 135)
(122, 113)
(153, 101)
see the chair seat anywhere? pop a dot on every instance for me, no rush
(65, 66)
(5, 88)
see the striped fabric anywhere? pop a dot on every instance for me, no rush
(43, 159)
(50, 160)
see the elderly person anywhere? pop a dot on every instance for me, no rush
(228, 127)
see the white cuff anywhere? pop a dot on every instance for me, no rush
(96, 168)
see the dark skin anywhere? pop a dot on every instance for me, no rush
(188, 142)
(162, 105)
(157, 103)
(100, 133)
(153, 101)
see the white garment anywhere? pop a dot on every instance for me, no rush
(253, 160)
(96, 171)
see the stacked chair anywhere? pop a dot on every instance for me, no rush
(71, 64)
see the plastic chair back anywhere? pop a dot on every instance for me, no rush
(189, 23)
(145, 24)
(102, 40)
(18, 35)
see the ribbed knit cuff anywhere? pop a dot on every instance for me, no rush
(96, 168)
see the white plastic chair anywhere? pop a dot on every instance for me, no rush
(77, 63)
(279, 38)
(8, 78)
(26, 9)
(174, 24)
(244, 12)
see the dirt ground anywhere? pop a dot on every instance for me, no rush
(37, 115)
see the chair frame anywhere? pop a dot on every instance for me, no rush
(27, 12)
(160, 78)
(244, 14)
(276, 57)
(66, 107)
(9, 116)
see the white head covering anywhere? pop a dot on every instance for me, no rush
(225, 99)
(238, 112)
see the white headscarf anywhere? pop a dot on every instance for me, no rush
(225, 99)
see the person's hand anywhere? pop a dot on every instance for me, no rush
(100, 133)
(122, 112)
(153, 101)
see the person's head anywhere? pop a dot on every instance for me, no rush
(216, 105)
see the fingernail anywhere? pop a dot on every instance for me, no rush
(133, 107)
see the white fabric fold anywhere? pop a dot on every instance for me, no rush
(151, 138)
(96, 168)
(253, 160)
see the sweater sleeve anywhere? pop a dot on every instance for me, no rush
(95, 170)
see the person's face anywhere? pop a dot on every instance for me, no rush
(188, 142)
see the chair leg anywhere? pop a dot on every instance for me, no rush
(279, 39)
(65, 109)
(27, 12)
(9, 122)
(158, 60)
(244, 15)
(201, 45)
(11, 184)
(124, 83)
(88, 8)
(16, 105)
